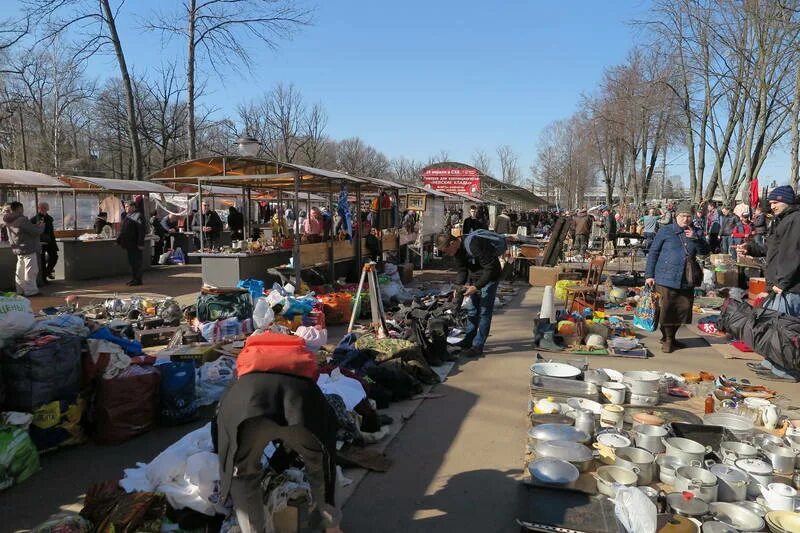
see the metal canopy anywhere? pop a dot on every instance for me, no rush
(85, 183)
(26, 179)
(253, 173)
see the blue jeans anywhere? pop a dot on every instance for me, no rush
(479, 317)
(648, 239)
(724, 243)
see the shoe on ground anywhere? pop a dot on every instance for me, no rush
(51, 276)
(667, 347)
(471, 352)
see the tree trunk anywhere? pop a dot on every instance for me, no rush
(795, 173)
(190, 63)
(136, 149)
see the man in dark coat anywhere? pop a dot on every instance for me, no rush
(472, 222)
(235, 223)
(48, 238)
(610, 224)
(209, 224)
(477, 260)
(782, 249)
(131, 238)
(581, 228)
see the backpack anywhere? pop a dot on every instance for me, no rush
(495, 239)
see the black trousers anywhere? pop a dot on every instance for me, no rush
(135, 261)
(49, 258)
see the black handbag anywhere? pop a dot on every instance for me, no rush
(692, 270)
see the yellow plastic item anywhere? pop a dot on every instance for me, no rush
(566, 327)
(600, 314)
(561, 288)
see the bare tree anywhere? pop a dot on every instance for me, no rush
(163, 114)
(217, 31)
(355, 157)
(509, 167)
(95, 25)
(316, 147)
(441, 157)
(482, 161)
(406, 170)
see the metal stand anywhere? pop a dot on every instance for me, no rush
(369, 273)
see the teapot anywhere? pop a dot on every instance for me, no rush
(584, 420)
(779, 496)
(770, 415)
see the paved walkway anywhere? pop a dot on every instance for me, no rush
(457, 460)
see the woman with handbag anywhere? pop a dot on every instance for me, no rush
(673, 268)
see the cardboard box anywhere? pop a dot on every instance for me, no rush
(529, 250)
(728, 278)
(542, 276)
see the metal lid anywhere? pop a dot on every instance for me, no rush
(718, 527)
(686, 504)
(545, 432)
(754, 466)
(573, 452)
(727, 473)
(555, 471)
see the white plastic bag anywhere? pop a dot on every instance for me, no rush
(634, 510)
(16, 316)
(263, 315)
(315, 338)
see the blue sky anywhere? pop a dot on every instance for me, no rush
(416, 77)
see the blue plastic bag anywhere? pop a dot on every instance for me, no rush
(130, 347)
(254, 286)
(646, 314)
(178, 403)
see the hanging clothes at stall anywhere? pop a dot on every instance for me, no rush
(112, 206)
(343, 209)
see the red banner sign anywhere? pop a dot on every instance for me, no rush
(463, 180)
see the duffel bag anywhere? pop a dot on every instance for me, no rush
(736, 319)
(776, 336)
(37, 375)
(126, 406)
(224, 303)
(178, 403)
(58, 424)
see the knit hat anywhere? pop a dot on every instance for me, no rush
(684, 207)
(784, 194)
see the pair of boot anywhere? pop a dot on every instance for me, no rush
(668, 341)
(545, 336)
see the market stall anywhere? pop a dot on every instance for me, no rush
(85, 255)
(286, 184)
(22, 186)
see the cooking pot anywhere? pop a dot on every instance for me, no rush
(737, 517)
(545, 432)
(645, 461)
(649, 437)
(667, 465)
(732, 486)
(642, 382)
(686, 449)
(554, 472)
(698, 481)
(759, 472)
(782, 459)
(607, 476)
(573, 452)
(686, 504)
(732, 451)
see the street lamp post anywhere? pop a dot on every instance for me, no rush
(248, 146)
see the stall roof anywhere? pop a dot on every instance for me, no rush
(114, 185)
(255, 173)
(27, 179)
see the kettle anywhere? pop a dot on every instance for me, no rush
(584, 420)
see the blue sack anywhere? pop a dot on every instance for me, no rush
(646, 315)
(178, 403)
(130, 347)
(254, 286)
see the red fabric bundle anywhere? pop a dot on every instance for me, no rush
(277, 352)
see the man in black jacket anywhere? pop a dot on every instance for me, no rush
(209, 224)
(782, 249)
(472, 222)
(477, 260)
(131, 237)
(48, 238)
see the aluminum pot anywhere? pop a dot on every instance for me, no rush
(573, 452)
(782, 459)
(546, 432)
(649, 437)
(759, 472)
(645, 461)
(732, 483)
(607, 476)
(686, 449)
(667, 465)
(732, 451)
(642, 382)
(686, 504)
(737, 517)
(700, 482)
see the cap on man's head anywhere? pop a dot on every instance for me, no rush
(684, 207)
(784, 194)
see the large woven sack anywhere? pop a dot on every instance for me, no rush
(34, 376)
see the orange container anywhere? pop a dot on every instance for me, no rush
(757, 285)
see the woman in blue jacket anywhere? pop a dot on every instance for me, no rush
(673, 246)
